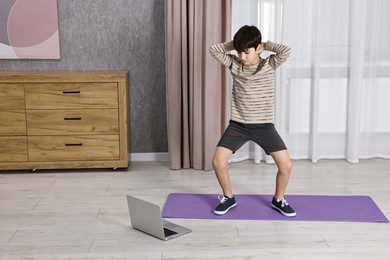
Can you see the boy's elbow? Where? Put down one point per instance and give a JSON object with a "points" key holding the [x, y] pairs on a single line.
{"points": [[288, 51], [212, 51]]}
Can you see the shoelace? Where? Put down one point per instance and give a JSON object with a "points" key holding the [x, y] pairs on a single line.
{"points": [[284, 202], [222, 199]]}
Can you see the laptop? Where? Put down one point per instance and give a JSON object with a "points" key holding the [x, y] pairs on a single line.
{"points": [[146, 217]]}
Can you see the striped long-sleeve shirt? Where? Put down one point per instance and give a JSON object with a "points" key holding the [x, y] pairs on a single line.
{"points": [[253, 86]]}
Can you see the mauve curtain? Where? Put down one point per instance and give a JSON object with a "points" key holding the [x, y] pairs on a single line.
{"points": [[197, 92]]}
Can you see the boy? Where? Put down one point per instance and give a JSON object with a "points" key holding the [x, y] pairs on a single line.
{"points": [[252, 112]]}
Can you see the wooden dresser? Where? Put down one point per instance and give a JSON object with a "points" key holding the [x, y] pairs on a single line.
{"points": [[58, 120]]}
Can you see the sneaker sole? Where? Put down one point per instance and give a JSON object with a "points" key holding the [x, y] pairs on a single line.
{"points": [[284, 213], [226, 211]]}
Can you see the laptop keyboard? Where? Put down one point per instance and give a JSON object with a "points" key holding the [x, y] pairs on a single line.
{"points": [[169, 232]]}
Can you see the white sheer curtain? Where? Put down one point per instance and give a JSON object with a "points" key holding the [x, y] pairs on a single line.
{"points": [[333, 94]]}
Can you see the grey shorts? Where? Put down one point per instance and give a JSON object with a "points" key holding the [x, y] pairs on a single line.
{"points": [[265, 135]]}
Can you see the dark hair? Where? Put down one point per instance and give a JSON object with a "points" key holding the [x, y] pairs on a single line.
{"points": [[246, 37]]}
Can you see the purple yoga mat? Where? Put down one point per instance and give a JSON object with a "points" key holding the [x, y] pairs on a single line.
{"points": [[257, 207]]}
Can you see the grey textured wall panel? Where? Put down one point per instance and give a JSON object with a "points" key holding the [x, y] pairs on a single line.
{"points": [[117, 35]]}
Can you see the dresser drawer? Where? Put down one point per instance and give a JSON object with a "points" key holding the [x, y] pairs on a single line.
{"points": [[73, 148], [63, 120], [11, 96], [70, 122], [13, 149], [12, 122], [71, 95]]}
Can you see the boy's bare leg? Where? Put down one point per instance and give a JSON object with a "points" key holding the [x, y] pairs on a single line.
{"points": [[220, 164], [283, 162]]}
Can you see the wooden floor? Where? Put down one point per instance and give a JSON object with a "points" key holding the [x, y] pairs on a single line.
{"points": [[83, 214]]}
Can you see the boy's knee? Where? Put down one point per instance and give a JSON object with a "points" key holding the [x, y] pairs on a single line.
{"points": [[218, 163], [286, 168]]}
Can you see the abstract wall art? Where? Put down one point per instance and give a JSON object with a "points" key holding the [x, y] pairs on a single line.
{"points": [[29, 29]]}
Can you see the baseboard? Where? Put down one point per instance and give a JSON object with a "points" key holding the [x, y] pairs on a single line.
{"points": [[145, 157]]}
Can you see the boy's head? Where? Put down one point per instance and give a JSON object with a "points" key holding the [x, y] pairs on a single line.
{"points": [[246, 37]]}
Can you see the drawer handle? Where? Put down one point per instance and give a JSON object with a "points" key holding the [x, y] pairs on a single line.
{"points": [[72, 118], [80, 144], [71, 92]]}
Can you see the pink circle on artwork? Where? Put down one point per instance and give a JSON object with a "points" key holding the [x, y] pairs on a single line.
{"points": [[32, 22]]}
